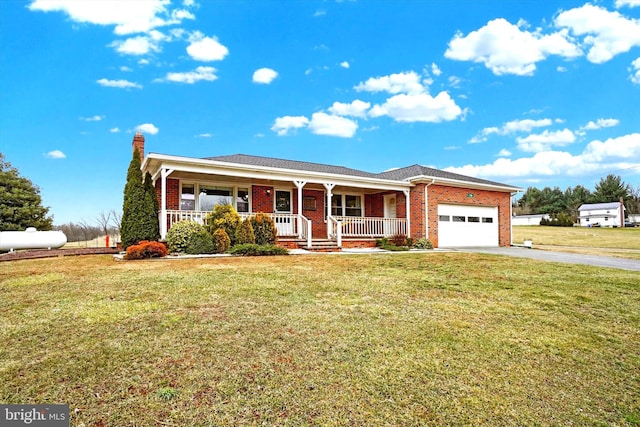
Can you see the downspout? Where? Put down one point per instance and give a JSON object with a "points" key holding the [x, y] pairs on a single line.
{"points": [[510, 219]]}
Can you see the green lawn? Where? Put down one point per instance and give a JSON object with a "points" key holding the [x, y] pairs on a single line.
{"points": [[618, 242], [379, 339]]}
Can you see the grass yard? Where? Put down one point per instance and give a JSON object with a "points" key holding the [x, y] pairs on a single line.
{"points": [[377, 339], [619, 242]]}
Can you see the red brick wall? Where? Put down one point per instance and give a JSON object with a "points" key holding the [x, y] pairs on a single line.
{"points": [[374, 205], [442, 194], [318, 226], [418, 214], [401, 205], [260, 200], [138, 142], [173, 193]]}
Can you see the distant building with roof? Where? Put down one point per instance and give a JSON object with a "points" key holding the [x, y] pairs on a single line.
{"points": [[602, 214], [529, 219]]}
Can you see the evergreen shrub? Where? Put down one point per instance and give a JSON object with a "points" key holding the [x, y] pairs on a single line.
{"points": [[423, 243], [225, 217], [221, 241], [145, 250], [264, 229], [244, 233], [252, 249], [181, 234]]}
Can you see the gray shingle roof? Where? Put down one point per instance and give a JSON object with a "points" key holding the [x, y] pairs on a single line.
{"points": [[401, 174], [595, 206], [290, 164], [419, 170]]}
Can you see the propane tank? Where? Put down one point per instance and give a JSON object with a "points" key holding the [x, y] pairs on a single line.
{"points": [[31, 239]]}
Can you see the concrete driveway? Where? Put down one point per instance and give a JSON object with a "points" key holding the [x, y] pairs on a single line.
{"points": [[597, 261]]}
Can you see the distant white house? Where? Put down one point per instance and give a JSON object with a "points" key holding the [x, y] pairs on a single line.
{"points": [[602, 214], [529, 219]]}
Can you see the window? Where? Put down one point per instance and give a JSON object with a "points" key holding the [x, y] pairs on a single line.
{"points": [[283, 201], [188, 197], [473, 219], [242, 200], [210, 196], [336, 205], [346, 205], [459, 219], [352, 206], [487, 220], [446, 218]]}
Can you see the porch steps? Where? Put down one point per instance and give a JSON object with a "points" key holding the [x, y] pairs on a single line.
{"points": [[320, 245]]}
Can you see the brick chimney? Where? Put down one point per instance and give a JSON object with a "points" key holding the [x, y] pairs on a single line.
{"points": [[138, 142]]}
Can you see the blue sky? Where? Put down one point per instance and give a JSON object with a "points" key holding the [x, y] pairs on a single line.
{"points": [[529, 93]]}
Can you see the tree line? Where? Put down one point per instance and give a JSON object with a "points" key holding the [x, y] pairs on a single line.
{"points": [[555, 202]]}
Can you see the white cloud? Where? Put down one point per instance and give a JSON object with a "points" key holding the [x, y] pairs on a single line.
{"points": [[357, 108], [600, 123], [505, 48], [283, 125], [319, 13], [504, 153], [607, 33], [264, 75], [114, 130], [128, 17], [206, 49], [418, 108], [344, 64], [95, 118], [635, 71], [408, 82], [143, 61], [139, 45], [629, 3], [123, 84], [55, 154], [147, 128], [126, 69], [204, 135], [514, 126], [597, 157], [544, 141], [561, 69], [435, 70], [326, 124], [190, 77]]}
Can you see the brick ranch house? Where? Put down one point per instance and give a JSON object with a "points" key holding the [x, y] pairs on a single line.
{"points": [[315, 204]]}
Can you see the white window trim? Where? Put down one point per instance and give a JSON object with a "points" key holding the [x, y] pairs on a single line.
{"points": [[233, 186], [284, 190], [343, 198]]}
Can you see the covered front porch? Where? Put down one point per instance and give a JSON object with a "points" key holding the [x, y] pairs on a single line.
{"points": [[305, 206]]}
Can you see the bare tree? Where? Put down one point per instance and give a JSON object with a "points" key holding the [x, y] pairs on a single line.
{"points": [[116, 220], [103, 220]]}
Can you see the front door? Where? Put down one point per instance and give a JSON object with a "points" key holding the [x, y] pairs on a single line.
{"points": [[284, 221], [390, 227]]}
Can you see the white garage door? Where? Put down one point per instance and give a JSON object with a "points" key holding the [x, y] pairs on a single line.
{"points": [[461, 225]]}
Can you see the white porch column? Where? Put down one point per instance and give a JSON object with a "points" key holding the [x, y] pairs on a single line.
{"points": [[299, 185], [408, 211], [329, 186], [163, 202]]}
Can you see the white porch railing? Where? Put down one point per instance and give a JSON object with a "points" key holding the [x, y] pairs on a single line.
{"points": [[354, 226], [287, 225]]}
